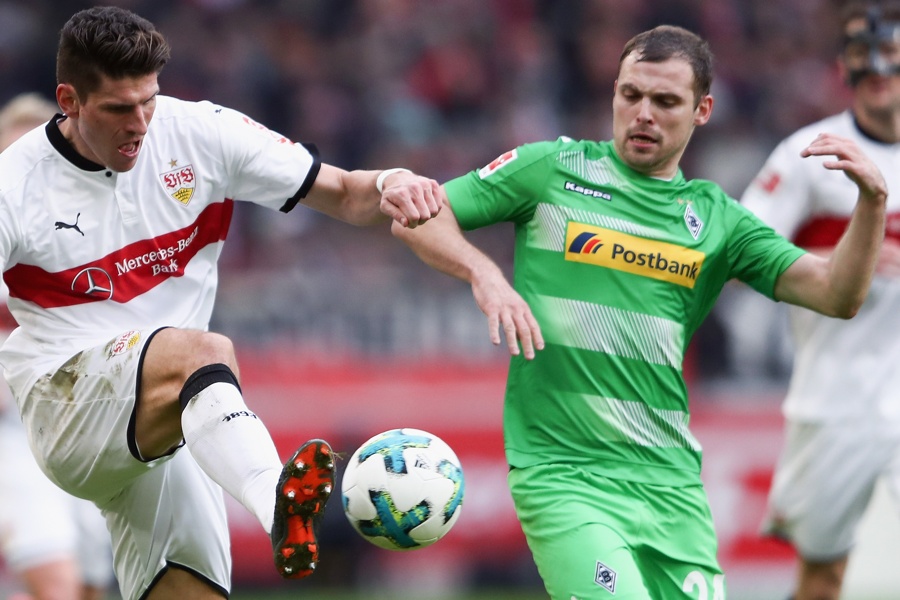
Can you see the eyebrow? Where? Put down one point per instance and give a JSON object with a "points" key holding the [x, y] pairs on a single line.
{"points": [[656, 95], [117, 105]]}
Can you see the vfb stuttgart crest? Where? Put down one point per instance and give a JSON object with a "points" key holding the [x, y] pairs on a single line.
{"points": [[179, 183]]}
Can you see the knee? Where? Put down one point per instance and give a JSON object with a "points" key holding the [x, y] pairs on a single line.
{"points": [[175, 354], [821, 581], [213, 348]]}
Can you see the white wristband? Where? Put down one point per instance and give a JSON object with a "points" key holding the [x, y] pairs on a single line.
{"points": [[379, 183]]}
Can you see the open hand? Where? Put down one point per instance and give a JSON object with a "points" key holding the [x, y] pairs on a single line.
{"points": [[850, 159]]}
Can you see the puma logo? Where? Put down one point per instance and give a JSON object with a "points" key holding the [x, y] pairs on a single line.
{"points": [[61, 225]]}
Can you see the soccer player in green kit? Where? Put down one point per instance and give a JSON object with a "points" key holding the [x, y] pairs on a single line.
{"points": [[618, 260]]}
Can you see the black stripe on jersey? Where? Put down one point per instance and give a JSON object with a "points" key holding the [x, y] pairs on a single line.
{"points": [[308, 182]]}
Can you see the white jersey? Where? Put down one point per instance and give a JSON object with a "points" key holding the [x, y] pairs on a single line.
{"points": [[88, 253], [842, 369]]}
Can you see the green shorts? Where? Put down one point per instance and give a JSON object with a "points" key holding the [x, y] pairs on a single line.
{"points": [[594, 537]]}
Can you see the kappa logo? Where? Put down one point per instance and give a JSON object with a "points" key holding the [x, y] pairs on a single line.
{"points": [[586, 191], [180, 182], [61, 225], [95, 282], [605, 577], [499, 162]]}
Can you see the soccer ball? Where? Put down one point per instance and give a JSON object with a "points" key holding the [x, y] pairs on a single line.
{"points": [[403, 489]]}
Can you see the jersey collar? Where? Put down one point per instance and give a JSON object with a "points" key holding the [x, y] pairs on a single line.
{"points": [[866, 134], [678, 179], [62, 145]]}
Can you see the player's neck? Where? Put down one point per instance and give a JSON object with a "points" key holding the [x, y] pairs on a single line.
{"points": [[68, 128], [881, 126]]}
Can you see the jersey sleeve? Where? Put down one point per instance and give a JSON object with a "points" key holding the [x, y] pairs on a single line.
{"points": [[503, 190], [758, 254], [780, 193], [264, 167]]}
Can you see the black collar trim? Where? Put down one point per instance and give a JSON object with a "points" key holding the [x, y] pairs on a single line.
{"points": [[62, 145], [866, 134]]}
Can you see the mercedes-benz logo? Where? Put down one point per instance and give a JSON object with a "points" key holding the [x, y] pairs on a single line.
{"points": [[93, 281]]}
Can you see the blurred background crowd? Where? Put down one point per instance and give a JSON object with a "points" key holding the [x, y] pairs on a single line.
{"points": [[444, 87]]}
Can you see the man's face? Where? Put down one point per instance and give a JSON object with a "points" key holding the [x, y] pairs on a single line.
{"points": [[654, 114], [874, 93], [108, 127]]}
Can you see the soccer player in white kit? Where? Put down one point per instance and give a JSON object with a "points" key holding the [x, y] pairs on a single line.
{"points": [[112, 218], [56, 544], [842, 409]]}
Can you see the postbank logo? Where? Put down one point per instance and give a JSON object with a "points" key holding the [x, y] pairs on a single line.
{"points": [[613, 249], [180, 183]]}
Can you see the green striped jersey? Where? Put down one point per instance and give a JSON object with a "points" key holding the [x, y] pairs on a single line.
{"points": [[619, 270]]}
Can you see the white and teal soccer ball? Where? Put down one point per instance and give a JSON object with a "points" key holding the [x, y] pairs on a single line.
{"points": [[403, 489]]}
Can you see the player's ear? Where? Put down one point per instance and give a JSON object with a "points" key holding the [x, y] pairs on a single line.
{"points": [[704, 110], [67, 99], [842, 69]]}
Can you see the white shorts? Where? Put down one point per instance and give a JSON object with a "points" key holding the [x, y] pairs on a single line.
{"points": [[824, 481], [40, 523], [161, 513]]}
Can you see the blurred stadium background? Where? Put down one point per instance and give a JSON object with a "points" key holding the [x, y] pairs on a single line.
{"points": [[343, 333]]}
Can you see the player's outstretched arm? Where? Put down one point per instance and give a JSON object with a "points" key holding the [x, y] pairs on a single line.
{"points": [[442, 245], [838, 284], [355, 197]]}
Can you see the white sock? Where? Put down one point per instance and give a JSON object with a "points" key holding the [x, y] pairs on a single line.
{"points": [[233, 447]]}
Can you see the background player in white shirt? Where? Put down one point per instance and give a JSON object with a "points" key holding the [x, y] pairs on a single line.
{"points": [[58, 545], [112, 219], [843, 405]]}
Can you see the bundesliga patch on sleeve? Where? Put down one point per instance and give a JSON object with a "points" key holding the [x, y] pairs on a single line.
{"points": [[275, 135], [498, 163], [769, 181]]}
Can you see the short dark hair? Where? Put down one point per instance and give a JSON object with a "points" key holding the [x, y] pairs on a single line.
{"points": [[668, 41], [110, 41]]}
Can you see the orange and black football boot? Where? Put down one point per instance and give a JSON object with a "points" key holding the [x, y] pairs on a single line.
{"points": [[303, 489]]}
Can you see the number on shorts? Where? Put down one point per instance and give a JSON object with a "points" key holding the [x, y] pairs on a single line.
{"points": [[695, 580]]}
